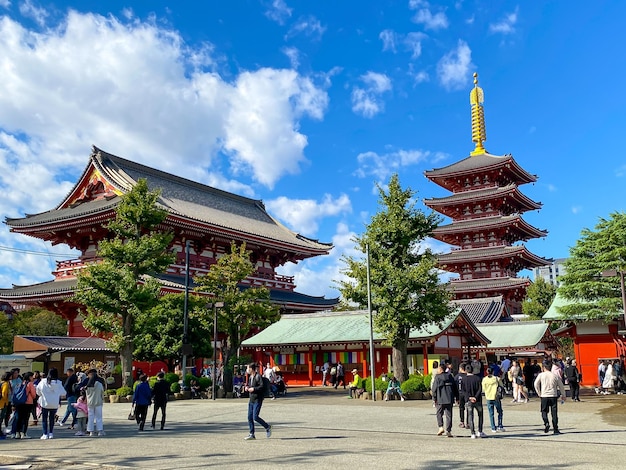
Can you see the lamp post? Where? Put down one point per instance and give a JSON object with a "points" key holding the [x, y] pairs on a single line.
{"points": [[215, 306], [185, 348], [369, 311], [620, 273]]}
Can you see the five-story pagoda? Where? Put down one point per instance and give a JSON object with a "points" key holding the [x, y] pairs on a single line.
{"points": [[486, 209]]}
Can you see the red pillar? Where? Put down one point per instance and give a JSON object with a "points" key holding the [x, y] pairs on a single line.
{"points": [[310, 358], [425, 350]]}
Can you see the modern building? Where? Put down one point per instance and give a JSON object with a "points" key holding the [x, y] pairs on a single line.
{"points": [[487, 230], [209, 218], [551, 272]]}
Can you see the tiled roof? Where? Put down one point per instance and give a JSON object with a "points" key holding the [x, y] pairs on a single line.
{"points": [[482, 310], [489, 284], [67, 343], [53, 287], [491, 253], [485, 195], [487, 223], [559, 301], [333, 327], [185, 199], [515, 335], [482, 162]]}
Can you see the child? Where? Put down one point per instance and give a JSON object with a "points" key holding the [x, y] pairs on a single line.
{"points": [[81, 413]]}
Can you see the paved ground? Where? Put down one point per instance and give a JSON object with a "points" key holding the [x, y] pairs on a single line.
{"points": [[321, 428]]}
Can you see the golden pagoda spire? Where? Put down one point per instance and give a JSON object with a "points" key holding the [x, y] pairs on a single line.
{"points": [[479, 135]]}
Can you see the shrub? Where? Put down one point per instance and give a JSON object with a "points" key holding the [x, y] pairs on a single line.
{"points": [[415, 383], [171, 378], [189, 378], [427, 380], [124, 391], [205, 383], [152, 381], [380, 384], [110, 391], [175, 387]]}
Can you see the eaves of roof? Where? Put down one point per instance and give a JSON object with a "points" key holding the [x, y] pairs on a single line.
{"points": [[483, 162], [507, 335]]}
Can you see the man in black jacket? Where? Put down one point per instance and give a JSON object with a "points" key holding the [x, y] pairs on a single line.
{"points": [[472, 389], [256, 390], [445, 393], [159, 394], [72, 396]]}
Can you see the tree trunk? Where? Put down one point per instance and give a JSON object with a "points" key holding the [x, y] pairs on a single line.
{"points": [[398, 357], [126, 353]]}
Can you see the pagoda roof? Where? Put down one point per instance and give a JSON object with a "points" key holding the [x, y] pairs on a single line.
{"points": [[187, 202], [481, 163], [483, 309], [485, 194], [492, 253], [495, 284], [349, 327], [63, 289], [489, 223]]}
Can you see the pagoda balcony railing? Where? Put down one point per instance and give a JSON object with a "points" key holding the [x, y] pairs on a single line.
{"points": [[68, 268]]}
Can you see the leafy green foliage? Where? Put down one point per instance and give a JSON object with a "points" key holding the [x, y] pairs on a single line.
{"points": [[159, 331], [599, 250], [405, 289], [427, 381], [378, 382], [175, 387], [171, 378], [244, 309], [415, 383], [124, 391], [35, 321], [118, 289], [539, 297]]}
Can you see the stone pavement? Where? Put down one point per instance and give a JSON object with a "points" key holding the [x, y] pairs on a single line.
{"points": [[321, 428]]}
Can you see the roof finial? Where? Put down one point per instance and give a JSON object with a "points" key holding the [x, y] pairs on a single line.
{"points": [[479, 135]]}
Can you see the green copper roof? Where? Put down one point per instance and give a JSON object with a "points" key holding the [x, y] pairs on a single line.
{"points": [[553, 313], [524, 334], [332, 327]]}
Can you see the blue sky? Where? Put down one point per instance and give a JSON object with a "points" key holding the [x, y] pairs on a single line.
{"points": [[307, 105]]}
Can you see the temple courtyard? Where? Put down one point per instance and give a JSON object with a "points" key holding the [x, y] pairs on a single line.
{"points": [[321, 428]]}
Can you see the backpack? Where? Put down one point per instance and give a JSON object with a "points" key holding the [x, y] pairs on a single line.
{"points": [[20, 395], [266, 386]]}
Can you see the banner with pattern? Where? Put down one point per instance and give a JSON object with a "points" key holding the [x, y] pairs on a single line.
{"points": [[352, 357]]}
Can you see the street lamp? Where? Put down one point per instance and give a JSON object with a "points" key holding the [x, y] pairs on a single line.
{"points": [[621, 273], [215, 306]]}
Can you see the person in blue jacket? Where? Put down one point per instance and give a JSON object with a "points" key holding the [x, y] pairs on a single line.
{"points": [[142, 399]]}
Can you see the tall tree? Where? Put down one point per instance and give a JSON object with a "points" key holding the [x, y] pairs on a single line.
{"points": [[539, 297], [405, 288], [244, 310], [593, 295], [119, 288], [159, 331], [34, 321]]}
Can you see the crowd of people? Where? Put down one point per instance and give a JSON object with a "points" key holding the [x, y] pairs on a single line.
{"points": [[611, 377]]}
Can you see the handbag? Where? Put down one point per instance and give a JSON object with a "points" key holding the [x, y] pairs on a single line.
{"points": [[131, 415], [499, 393]]}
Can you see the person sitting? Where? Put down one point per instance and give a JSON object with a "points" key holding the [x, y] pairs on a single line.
{"points": [[355, 385], [238, 385], [281, 386], [393, 390], [194, 386]]}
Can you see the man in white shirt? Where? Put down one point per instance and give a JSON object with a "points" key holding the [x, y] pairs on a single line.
{"points": [[548, 387], [270, 375]]}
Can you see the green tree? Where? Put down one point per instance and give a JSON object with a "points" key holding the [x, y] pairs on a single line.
{"points": [[405, 288], [159, 331], [591, 294], [244, 310], [119, 288], [34, 321], [539, 297]]}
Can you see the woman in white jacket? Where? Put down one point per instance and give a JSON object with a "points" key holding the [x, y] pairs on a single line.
{"points": [[95, 400], [50, 391]]}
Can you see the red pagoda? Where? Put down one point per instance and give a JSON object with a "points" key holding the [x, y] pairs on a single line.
{"points": [[486, 209], [209, 218]]}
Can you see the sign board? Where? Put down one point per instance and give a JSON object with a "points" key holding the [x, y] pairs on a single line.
{"points": [[11, 361]]}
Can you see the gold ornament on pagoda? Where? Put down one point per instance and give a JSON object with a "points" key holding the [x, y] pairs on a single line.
{"points": [[479, 135]]}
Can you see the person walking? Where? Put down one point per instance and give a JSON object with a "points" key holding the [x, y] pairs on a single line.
{"points": [[445, 393], [95, 400], [462, 398], [5, 402], [473, 391], [50, 390], [256, 390], [325, 371], [142, 399], [341, 376], [71, 397], [548, 387], [24, 409], [159, 393], [490, 385], [572, 378]]}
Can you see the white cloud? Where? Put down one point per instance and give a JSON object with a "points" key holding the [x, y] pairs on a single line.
{"points": [[303, 215], [293, 55], [506, 25], [367, 101], [5, 3], [37, 14], [382, 166], [414, 42], [453, 68], [551, 188], [426, 17], [309, 26], [388, 37], [576, 209], [278, 12], [421, 76]]}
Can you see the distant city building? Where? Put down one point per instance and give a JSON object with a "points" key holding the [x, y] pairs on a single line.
{"points": [[551, 272]]}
